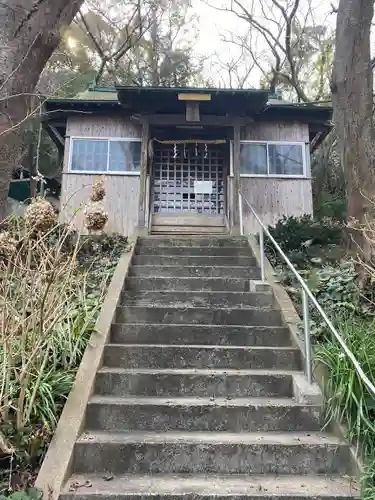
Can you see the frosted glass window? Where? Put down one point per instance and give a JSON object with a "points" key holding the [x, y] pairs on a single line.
{"points": [[285, 159], [272, 158], [105, 155], [89, 155], [124, 156], [253, 158]]}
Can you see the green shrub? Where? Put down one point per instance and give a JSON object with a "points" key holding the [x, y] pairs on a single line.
{"points": [[305, 240], [294, 233], [332, 205]]}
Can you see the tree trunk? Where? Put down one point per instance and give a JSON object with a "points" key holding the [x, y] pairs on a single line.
{"points": [[352, 88], [30, 30]]}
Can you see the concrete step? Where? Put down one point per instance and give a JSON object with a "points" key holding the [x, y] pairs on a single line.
{"points": [[105, 413], [201, 357], [195, 271], [267, 336], [209, 487], [193, 260], [210, 453], [198, 299], [226, 251], [200, 241], [199, 316], [193, 382], [188, 284]]}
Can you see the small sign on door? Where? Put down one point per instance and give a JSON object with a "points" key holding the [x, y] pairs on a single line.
{"points": [[203, 187]]}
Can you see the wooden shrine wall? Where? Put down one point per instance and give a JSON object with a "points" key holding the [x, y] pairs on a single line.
{"points": [[274, 197], [122, 191]]}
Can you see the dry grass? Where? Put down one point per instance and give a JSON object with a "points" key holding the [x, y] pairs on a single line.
{"points": [[51, 290]]}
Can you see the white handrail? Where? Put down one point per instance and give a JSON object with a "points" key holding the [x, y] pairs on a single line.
{"points": [[307, 293]]}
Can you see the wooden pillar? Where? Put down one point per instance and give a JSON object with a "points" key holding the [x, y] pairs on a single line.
{"points": [[236, 177], [143, 178]]}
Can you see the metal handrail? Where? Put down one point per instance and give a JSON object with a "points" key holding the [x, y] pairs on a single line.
{"points": [[306, 294]]}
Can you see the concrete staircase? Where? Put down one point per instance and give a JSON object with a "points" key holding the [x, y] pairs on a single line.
{"points": [[196, 396]]}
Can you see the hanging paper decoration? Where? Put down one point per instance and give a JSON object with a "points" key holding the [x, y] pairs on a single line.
{"points": [[205, 150], [191, 141], [196, 149], [175, 150]]}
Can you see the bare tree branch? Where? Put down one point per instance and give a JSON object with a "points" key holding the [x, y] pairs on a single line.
{"points": [[139, 27], [284, 29], [138, 23], [91, 35]]}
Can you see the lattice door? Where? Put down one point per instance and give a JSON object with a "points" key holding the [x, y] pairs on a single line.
{"points": [[175, 172]]}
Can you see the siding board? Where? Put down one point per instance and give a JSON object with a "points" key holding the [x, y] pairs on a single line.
{"points": [[102, 126], [121, 201], [273, 198], [272, 131]]}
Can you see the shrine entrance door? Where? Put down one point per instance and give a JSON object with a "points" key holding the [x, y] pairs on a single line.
{"points": [[188, 187]]}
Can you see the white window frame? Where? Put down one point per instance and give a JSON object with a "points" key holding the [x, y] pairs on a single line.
{"points": [[268, 175], [101, 172]]}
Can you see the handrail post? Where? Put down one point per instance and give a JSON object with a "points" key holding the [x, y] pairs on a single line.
{"points": [[261, 245], [240, 208], [306, 330]]}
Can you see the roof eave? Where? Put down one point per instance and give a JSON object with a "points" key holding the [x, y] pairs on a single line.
{"points": [[195, 90]]}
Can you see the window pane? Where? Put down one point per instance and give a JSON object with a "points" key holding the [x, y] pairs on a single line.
{"points": [[253, 159], [89, 155], [124, 156], [286, 159]]}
